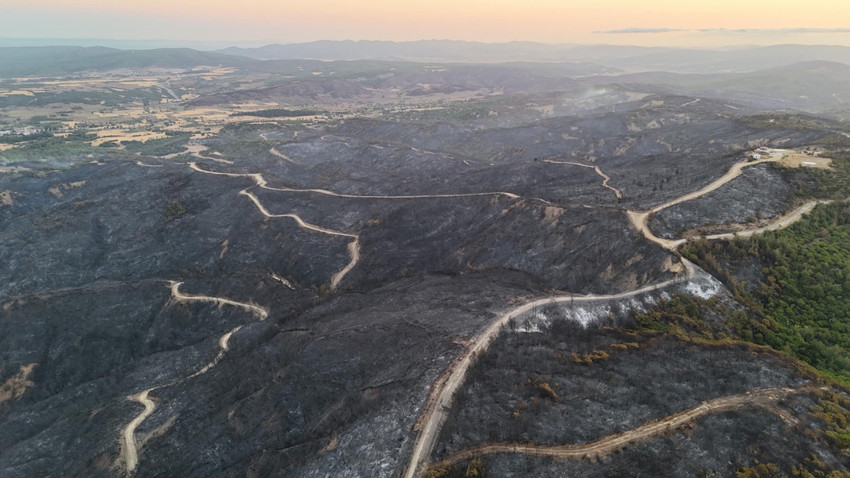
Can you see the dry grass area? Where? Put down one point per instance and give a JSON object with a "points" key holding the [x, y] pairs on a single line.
{"points": [[123, 134], [214, 73], [88, 83], [129, 112], [112, 124], [17, 92], [795, 159], [18, 384]]}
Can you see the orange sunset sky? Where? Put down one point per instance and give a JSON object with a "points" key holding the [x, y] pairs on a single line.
{"points": [[706, 23]]}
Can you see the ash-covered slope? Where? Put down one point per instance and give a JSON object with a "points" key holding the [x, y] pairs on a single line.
{"points": [[288, 312], [89, 307]]}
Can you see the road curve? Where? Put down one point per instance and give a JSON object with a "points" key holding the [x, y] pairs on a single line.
{"points": [[733, 173], [781, 223], [354, 254], [440, 401], [766, 398], [129, 445], [640, 219], [258, 311], [262, 183], [224, 346], [353, 246], [301, 223], [129, 449], [605, 177]]}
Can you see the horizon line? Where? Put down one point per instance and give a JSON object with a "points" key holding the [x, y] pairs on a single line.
{"points": [[255, 44]]}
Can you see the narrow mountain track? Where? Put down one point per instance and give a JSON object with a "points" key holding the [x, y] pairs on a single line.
{"points": [[262, 183], [282, 156], [764, 398], [780, 223], [640, 219], [129, 444], [605, 177], [353, 246], [442, 395], [254, 309], [733, 173]]}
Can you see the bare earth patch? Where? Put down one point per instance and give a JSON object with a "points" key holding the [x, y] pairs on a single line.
{"points": [[17, 385], [795, 159], [552, 214], [58, 190], [120, 135], [16, 93]]}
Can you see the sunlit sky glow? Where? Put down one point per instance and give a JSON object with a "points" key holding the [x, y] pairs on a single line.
{"points": [[693, 23]]}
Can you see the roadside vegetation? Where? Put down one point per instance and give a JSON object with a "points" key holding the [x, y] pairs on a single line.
{"points": [[814, 183], [20, 138], [73, 146], [473, 469], [791, 294], [714, 322], [793, 285]]}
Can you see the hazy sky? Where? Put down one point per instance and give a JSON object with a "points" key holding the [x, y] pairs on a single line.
{"points": [[644, 22]]}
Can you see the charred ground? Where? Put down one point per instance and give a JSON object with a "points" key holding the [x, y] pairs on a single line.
{"points": [[92, 238]]}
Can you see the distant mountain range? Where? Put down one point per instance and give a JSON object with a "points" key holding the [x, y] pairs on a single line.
{"points": [[58, 60], [805, 85], [621, 57], [558, 60]]}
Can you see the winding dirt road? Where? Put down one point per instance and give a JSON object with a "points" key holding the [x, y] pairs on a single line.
{"points": [[781, 223], [353, 246], [605, 177], [258, 311], [129, 445], [765, 398], [224, 346], [262, 183], [640, 219], [282, 156], [442, 395], [733, 173], [443, 391], [129, 448]]}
